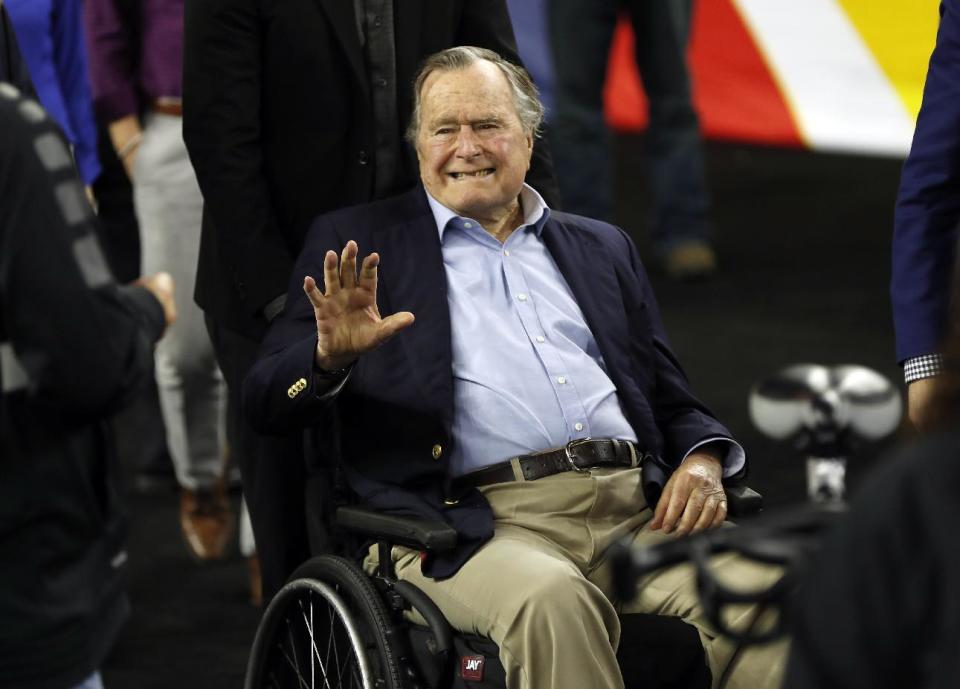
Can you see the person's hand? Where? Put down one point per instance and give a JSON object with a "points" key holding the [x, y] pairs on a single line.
{"points": [[161, 286], [348, 320], [919, 400], [693, 499], [126, 134]]}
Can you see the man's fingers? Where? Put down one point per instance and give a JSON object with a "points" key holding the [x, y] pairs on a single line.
{"points": [[721, 514], [312, 291], [393, 324], [348, 265], [696, 502], [661, 509], [331, 274], [675, 507], [368, 273], [707, 515]]}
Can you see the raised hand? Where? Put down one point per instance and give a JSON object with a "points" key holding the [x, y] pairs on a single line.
{"points": [[348, 320]]}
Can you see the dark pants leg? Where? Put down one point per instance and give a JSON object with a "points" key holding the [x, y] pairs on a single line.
{"points": [[272, 469], [675, 168], [580, 34]]}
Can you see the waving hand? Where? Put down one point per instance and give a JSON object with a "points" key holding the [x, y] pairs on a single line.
{"points": [[348, 320]]}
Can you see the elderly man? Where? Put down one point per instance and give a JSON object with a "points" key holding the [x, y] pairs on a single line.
{"points": [[534, 332]]}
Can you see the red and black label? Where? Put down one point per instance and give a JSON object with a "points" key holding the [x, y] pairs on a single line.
{"points": [[471, 668]]}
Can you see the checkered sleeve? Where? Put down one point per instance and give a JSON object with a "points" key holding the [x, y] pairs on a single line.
{"points": [[919, 367]]}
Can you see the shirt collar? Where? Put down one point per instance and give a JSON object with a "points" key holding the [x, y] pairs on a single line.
{"points": [[535, 211]]}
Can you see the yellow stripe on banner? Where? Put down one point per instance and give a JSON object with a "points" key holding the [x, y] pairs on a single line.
{"points": [[900, 34]]}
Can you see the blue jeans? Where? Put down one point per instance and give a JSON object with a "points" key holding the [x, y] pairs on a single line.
{"points": [[91, 682], [580, 33]]}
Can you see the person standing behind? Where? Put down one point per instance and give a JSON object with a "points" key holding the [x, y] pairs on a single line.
{"points": [[291, 109], [925, 225], [581, 32], [74, 346], [140, 96], [50, 33]]}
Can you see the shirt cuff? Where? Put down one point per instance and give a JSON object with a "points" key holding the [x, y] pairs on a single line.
{"points": [[920, 367], [735, 459]]}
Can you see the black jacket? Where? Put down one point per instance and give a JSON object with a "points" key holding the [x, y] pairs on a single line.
{"points": [[74, 346], [278, 122]]}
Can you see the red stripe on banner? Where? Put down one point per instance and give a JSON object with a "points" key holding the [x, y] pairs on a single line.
{"points": [[735, 93]]}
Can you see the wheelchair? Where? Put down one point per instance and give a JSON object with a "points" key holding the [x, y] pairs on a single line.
{"points": [[333, 625]]}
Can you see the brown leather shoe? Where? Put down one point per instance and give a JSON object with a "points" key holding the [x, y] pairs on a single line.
{"points": [[694, 260], [206, 521]]}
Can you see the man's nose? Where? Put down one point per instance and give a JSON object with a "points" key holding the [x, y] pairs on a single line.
{"points": [[468, 143]]}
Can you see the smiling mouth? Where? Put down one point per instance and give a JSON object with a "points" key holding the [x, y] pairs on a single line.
{"points": [[485, 172]]}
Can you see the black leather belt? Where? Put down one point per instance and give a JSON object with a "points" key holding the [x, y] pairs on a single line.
{"points": [[577, 455]]}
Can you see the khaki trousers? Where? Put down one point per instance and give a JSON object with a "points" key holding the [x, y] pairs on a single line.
{"points": [[540, 588]]}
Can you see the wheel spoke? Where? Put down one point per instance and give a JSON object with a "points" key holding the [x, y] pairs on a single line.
{"points": [[314, 652]]}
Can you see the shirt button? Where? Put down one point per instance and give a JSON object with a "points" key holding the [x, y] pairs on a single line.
{"points": [[522, 297], [539, 338], [562, 380], [437, 451], [381, 82], [578, 426], [377, 22], [506, 253], [362, 158], [468, 225]]}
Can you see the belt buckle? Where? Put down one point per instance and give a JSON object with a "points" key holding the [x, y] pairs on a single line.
{"points": [[568, 452]]}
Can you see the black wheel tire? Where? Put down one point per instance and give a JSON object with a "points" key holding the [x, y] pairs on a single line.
{"points": [[352, 619]]}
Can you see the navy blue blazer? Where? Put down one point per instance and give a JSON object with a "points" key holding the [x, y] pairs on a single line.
{"points": [[398, 401], [928, 203]]}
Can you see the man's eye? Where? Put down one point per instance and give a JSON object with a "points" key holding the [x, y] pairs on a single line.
{"points": [[444, 130], [487, 125]]}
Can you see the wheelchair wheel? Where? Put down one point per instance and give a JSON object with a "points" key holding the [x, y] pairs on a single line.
{"points": [[327, 627]]}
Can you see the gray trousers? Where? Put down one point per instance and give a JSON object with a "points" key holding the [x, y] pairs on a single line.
{"points": [[169, 209], [541, 588]]}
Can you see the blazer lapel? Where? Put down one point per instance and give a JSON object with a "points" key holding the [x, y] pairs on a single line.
{"points": [[413, 279], [588, 269], [342, 17]]}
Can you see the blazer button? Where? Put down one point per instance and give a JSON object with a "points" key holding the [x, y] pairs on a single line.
{"points": [[362, 158], [437, 451]]}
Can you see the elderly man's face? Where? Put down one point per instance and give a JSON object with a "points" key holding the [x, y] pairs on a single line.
{"points": [[473, 151]]}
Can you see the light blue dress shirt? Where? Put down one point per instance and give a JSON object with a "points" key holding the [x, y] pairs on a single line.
{"points": [[527, 372]]}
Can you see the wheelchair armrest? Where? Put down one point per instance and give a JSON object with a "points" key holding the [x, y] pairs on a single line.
{"points": [[743, 501], [420, 534]]}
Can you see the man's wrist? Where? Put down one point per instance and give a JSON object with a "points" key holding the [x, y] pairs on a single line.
{"points": [[923, 366]]}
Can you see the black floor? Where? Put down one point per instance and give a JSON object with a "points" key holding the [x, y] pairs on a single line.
{"points": [[804, 248]]}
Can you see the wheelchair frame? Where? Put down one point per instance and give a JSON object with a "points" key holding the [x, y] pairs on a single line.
{"points": [[351, 626]]}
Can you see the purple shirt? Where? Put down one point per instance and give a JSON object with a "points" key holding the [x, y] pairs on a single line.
{"points": [[123, 73]]}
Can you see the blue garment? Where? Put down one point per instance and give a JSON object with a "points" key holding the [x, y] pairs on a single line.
{"points": [[50, 34], [925, 227], [527, 372]]}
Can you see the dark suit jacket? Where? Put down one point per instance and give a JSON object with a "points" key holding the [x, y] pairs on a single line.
{"points": [[398, 402], [928, 203], [278, 122]]}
